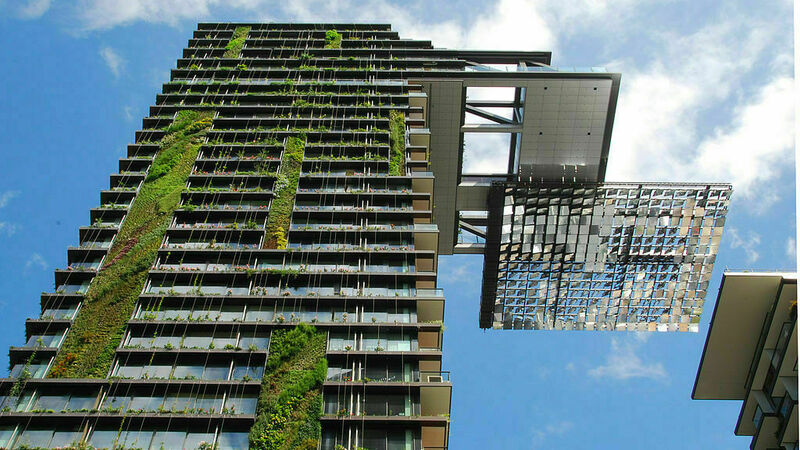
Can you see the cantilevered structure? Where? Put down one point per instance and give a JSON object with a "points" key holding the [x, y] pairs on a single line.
{"points": [[311, 174], [750, 356]]}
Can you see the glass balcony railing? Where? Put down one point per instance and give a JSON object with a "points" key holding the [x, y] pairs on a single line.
{"points": [[345, 208], [59, 313], [209, 245], [355, 190], [300, 268], [198, 290], [85, 265], [424, 227], [73, 288], [95, 244], [44, 340], [342, 247], [372, 345]]}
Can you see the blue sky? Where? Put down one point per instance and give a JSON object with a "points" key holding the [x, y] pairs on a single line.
{"points": [[706, 95]]}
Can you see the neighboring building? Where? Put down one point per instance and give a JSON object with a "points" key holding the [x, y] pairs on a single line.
{"points": [[313, 173], [751, 355]]}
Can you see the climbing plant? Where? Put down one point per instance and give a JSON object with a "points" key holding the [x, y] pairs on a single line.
{"points": [[234, 48], [290, 402], [280, 211], [397, 138], [333, 39], [89, 346]]}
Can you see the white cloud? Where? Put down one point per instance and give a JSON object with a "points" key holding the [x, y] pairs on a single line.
{"points": [[749, 243], [5, 197], [112, 60], [540, 435], [486, 152], [460, 269], [8, 228], [623, 363], [34, 9], [35, 260], [105, 14], [128, 110], [791, 248], [658, 133]]}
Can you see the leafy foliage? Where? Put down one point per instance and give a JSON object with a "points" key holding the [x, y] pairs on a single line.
{"points": [[89, 346], [234, 47], [397, 136], [280, 211], [290, 402], [333, 39]]}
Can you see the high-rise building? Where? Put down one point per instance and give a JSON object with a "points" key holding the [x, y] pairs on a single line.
{"points": [[751, 356], [311, 174]]}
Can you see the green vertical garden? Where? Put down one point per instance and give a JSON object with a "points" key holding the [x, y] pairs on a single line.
{"points": [[89, 347], [290, 402], [280, 211], [234, 47], [397, 138]]}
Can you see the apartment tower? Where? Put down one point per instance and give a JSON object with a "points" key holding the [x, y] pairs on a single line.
{"points": [[276, 181]]}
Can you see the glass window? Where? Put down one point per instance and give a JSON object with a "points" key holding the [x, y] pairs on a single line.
{"points": [[208, 403], [156, 371], [242, 371], [165, 341], [135, 439], [65, 438], [24, 401], [374, 439], [228, 313], [188, 372], [196, 340], [232, 440], [375, 406], [145, 403], [175, 314], [195, 440], [51, 402], [81, 402], [179, 402], [241, 405], [376, 372], [331, 404], [381, 317], [116, 403], [103, 438], [216, 373], [131, 371], [339, 374], [758, 416], [254, 342], [168, 439], [224, 339], [6, 432], [396, 405], [340, 342], [263, 314], [399, 440], [35, 438]]}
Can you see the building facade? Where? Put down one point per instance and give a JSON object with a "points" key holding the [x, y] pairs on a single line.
{"points": [[750, 356], [262, 269], [276, 181]]}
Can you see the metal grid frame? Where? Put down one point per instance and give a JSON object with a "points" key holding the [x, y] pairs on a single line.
{"points": [[610, 256]]}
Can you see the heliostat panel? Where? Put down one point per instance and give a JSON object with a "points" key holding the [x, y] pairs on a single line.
{"points": [[611, 256]]}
